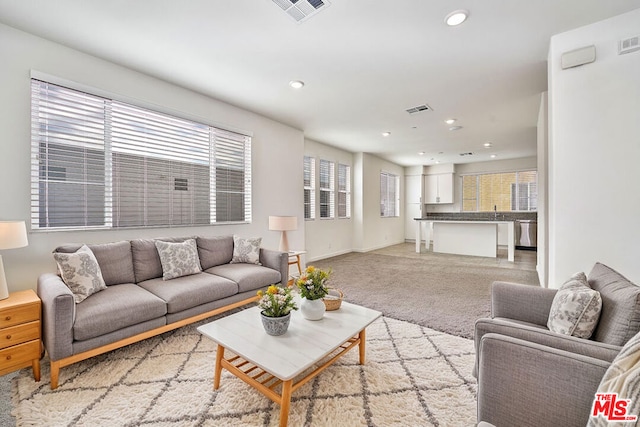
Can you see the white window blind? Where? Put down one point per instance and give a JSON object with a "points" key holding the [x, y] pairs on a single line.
{"points": [[98, 162], [389, 195], [327, 188], [503, 192], [344, 191], [309, 172]]}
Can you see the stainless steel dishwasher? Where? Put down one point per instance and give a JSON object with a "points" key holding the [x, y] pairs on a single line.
{"points": [[526, 234]]}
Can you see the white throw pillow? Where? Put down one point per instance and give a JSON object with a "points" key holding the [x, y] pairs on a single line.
{"points": [[80, 272], [178, 259], [622, 378], [246, 250], [576, 308]]}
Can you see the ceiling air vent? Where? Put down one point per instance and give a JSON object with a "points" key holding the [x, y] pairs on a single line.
{"points": [[466, 154], [301, 10], [417, 109]]}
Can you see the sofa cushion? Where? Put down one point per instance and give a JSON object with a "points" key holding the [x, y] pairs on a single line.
{"points": [[115, 260], [178, 259], [214, 251], [621, 378], [80, 272], [190, 291], [575, 309], [115, 308], [620, 318], [246, 250], [248, 276], [146, 261]]}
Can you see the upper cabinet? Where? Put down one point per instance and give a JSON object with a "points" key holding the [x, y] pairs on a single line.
{"points": [[438, 188]]}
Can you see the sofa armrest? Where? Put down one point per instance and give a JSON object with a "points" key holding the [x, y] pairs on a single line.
{"points": [[521, 383], [276, 260], [526, 303], [594, 349], [58, 311]]}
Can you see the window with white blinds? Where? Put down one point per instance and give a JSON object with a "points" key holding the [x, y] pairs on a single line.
{"points": [[344, 191], [309, 172], [503, 192], [98, 162], [389, 195], [327, 188]]}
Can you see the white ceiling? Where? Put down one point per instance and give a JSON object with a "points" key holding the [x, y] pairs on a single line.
{"points": [[364, 63]]}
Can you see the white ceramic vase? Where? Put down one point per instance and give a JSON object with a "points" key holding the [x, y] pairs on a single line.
{"points": [[312, 309]]}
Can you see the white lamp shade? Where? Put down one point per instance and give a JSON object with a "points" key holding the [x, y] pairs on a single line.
{"points": [[13, 234], [283, 223]]}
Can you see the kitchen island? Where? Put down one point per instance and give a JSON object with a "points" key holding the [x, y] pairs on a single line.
{"points": [[465, 237]]}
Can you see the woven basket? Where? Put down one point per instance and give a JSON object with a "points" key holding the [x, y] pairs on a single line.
{"points": [[333, 300]]}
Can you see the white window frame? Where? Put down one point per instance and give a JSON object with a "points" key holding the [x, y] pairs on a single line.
{"points": [[389, 195], [327, 189], [309, 170], [517, 199], [111, 128], [344, 191]]}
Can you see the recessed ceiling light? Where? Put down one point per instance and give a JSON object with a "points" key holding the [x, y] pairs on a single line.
{"points": [[493, 156], [296, 84], [422, 153], [456, 17], [386, 133], [450, 121], [455, 128], [438, 161], [487, 144]]}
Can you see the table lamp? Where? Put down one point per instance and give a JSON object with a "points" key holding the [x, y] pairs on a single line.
{"points": [[13, 234], [284, 224]]}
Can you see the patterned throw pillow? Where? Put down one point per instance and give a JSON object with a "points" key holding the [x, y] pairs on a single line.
{"points": [[178, 259], [80, 272], [246, 250], [622, 377], [575, 309]]}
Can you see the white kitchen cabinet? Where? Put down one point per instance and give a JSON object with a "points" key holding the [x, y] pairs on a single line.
{"points": [[438, 188]]}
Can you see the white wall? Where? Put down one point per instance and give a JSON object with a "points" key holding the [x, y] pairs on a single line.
{"points": [[371, 231], [594, 153], [543, 186], [277, 149], [328, 237]]}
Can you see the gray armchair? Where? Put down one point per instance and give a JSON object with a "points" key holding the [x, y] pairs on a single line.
{"points": [[530, 376]]}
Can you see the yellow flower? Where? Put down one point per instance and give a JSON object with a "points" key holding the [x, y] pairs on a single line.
{"points": [[311, 269], [272, 289], [260, 293]]}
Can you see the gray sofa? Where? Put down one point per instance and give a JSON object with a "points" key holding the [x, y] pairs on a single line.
{"points": [[530, 376], [137, 303]]}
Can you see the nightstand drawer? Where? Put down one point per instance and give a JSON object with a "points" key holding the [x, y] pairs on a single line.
{"points": [[19, 334], [19, 355], [19, 314]]}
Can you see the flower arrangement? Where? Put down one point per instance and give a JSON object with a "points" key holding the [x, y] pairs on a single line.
{"points": [[276, 301], [312, 283]]}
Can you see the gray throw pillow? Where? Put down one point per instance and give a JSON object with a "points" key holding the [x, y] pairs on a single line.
{"points": [[575, 309], [246, 250], [178, 259], [80, 272]]}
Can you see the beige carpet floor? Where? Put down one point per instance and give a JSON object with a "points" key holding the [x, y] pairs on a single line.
{"points": [[414, 376], [443, 292]]}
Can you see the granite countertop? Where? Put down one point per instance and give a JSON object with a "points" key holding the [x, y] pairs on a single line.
{"points": [[479, 216]]}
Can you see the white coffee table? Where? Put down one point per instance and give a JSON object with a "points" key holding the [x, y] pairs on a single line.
{"points": [[308, 347]]}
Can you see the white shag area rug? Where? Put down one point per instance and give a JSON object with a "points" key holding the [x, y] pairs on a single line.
{"points": [[413, 376]]}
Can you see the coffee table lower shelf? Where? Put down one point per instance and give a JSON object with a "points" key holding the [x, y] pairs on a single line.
{"points": [[267, 383]]}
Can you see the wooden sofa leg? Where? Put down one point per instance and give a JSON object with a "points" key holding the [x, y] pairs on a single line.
{"points": [[55, 372]]}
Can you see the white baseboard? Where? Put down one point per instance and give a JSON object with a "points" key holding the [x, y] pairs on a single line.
{"points": [[346, 251]]}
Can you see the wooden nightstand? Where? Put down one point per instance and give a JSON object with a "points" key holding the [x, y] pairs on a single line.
{"points": [[20, 344]]}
